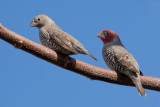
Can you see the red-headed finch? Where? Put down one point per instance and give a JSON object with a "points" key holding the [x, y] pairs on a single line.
{"points": [[119, 59]]}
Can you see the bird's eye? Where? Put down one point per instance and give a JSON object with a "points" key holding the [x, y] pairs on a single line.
{"points": [[38, 19], [107, 33]]}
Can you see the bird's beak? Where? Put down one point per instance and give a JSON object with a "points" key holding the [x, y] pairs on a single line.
{"points": [[33, 24], [100, 35]]}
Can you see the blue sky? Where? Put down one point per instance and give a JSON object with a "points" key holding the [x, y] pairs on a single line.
{"points": [[27, 81]]}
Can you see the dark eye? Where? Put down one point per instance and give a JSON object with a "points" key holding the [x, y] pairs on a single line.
{"points": [[38, 19], [107, 33]]}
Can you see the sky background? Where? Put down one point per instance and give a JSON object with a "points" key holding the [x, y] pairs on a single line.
{"points": [[27, 81]]}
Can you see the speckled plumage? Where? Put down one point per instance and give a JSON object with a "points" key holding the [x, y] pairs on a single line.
{"points": [[55, 38], [118, 58]]}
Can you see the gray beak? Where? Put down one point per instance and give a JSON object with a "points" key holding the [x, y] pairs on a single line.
{"points": [[100, 35], [33, 24]]}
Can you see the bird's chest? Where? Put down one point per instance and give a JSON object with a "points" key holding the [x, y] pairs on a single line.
{"points": [[44, 38], [47, 41], [109, 58]]}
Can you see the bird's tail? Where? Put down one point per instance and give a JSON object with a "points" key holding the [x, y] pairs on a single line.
{"points": [[135, 77], [91, 56], [139, 87]]}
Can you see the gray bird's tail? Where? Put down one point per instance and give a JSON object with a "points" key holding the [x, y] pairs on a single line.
{"points": [[137, 82], [140, 89], [135, 77], [91, 56]]}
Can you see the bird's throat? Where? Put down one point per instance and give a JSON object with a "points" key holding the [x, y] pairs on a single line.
{"points": [[108, 39]]}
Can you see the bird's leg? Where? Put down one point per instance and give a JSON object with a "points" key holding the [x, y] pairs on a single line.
{"points": [[66, 61], [63, 58]]}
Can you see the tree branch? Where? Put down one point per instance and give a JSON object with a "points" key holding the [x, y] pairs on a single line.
{"points": [[93, 72]]}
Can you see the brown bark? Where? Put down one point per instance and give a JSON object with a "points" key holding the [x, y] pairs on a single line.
{"points": [[93, 72]]}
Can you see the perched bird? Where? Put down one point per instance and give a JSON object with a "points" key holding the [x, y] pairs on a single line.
{"points": [[119, 59], [55, 38]]}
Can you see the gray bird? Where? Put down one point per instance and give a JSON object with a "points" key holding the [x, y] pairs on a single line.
{"points": [[55, 38], [119, 59]]}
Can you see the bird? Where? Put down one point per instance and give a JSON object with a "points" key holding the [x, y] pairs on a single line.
{"points": [[117, 58], [56, 39]]}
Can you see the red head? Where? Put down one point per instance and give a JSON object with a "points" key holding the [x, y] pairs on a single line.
{"points": [[108, 36]]}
